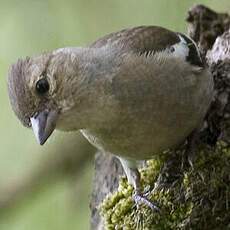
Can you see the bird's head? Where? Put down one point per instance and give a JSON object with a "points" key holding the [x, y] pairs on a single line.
{"points": [[41, 91]]}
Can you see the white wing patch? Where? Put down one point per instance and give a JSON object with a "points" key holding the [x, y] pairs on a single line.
{"points": [[186, 50], [181, 49]]}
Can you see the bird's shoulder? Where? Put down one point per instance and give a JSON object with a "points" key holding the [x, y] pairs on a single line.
{"points": [[148, 40]]}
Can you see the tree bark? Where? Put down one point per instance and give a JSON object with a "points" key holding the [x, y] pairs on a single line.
{"points": [[210, 30]]}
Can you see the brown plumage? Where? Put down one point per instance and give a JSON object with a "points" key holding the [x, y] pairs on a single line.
{"points": [[139, 39], [133, 93]]}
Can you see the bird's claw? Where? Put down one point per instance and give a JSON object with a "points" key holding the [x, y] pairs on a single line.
{"points": [[142, 199]]}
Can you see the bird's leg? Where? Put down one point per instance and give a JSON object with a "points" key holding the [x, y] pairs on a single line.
{"points": [[190, 151], [133, 176]]}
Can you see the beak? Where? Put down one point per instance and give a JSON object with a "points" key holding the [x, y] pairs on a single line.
{"points": [[43, 125]]}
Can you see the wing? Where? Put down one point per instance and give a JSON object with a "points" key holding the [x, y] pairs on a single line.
{"points": [[146, 40]]}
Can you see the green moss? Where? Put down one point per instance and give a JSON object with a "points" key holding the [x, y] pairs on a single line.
{"points": [[199, 199]]}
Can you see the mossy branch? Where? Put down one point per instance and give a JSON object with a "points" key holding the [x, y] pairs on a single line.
{"points": [[197, 199]]}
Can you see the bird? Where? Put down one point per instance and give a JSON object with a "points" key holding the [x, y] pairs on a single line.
{"points": [[133, 93]]}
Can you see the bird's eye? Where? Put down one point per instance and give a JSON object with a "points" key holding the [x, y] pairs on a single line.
{"points": [[42, 86]]}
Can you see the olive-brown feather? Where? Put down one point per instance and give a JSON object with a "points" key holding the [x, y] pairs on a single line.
{"points": [[18, 91]]}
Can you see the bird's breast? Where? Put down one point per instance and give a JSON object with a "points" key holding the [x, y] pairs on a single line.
{"points": [[157, 107]]}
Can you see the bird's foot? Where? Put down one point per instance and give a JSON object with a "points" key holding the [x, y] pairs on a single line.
{"points": [[190, 153], [188, 159], [133, 176], [140, 198]]}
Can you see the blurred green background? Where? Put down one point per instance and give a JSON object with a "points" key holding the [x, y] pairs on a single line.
{"points": [[36, 192]]}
